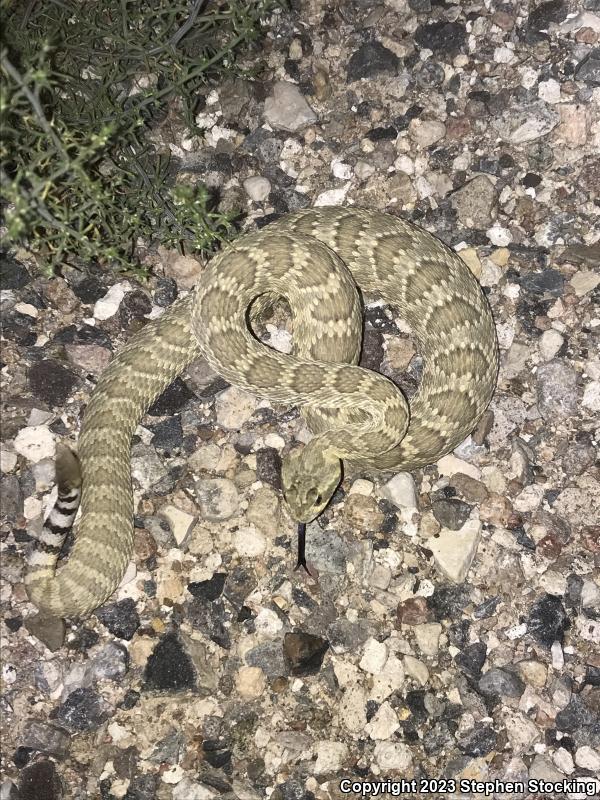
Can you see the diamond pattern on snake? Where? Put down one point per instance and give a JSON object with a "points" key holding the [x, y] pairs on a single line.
{"points": [[320, 260]]}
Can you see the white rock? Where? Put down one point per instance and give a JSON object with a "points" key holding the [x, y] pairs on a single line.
{"points": [[330, 756], [27, 309], [180, 522], [267, 623], [32, 507], [499, 236], [363, 170], [393, 756], [591, 396], [454, 551], [279, 339], [529, 77], [146, 467], [550, 343], [8, 460], [549, 91], [218, 498], [250, 682], [172, 775], [257, 188], [587, 758], [333, 197], [35, 443], [450, 465], [384, 723], [588, 629], [341, 170], [416, 669], [351, 709], [287, 109], [234, 407], [374, 656], [584, 282], [516, 631], [563, 760], [380, 577], [187, 789], [428, 637], [503, 55], [400, 490], [426, 132], [275, 441], [249, 542], [584, 19], [361, 486], [590, 594], [521, 731], [529, 499], [558, 658], [108, 305], [389, 680], [542, 769]]}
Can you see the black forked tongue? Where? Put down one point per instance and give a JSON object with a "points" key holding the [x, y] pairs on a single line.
{"points": [[301, 548]]}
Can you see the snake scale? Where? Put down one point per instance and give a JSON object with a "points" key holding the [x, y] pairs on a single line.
{"points": [[319, 260]]}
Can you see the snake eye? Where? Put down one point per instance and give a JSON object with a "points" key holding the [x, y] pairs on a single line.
{"points": [[318, 500]]}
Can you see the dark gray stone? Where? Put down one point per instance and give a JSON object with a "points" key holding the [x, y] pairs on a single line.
{"points": [[472, 659], [502, 682], [168, 434], [347, 636], [51, 382], [89, 290], [134, 307], [372, 354], [268, 467], [83, 710], [13, 275], [448, 601], [86, 334], [111, 663], [546, 14], [11, 496], [269, 657], [46, 738], [169, 666], [40, 781], [547, 620], [172, 400], [371, 59], [121, 619], [49, 630], [166, 292], [450, 513], [549, 282], [444, 38], [210, 589], [210, 619], [588, 70], [304, 653], [576, 715], [479, 742]]}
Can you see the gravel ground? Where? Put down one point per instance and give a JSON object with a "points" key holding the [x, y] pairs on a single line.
{"points": [[450, 630]]}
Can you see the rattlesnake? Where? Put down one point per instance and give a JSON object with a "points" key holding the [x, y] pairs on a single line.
{"points": [[315, 259]]}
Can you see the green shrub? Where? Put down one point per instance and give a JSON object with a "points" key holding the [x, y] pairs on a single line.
{"points": [[82, 83]]}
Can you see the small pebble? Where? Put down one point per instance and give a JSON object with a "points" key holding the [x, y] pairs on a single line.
{"points": [[257, 188]]}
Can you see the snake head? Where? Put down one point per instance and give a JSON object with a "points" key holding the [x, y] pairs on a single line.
{"points": [[309, 478]]}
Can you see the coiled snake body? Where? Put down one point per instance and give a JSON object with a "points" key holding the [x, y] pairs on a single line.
{"points": [[315, 259]]}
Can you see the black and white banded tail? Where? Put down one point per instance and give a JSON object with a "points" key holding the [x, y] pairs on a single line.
{"points": [[43, 558]]}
